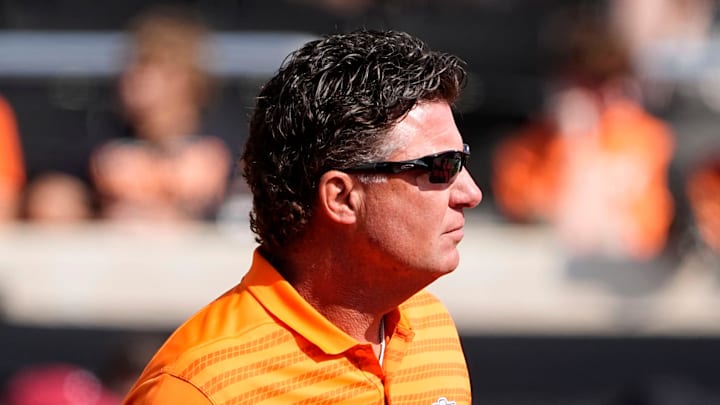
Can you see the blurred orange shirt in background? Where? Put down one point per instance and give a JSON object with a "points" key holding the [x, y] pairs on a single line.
{"points": [[601, 180], [12, 172], [703, 191]]}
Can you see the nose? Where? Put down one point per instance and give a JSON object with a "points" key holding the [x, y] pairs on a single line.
{"points": [[465, 192]]}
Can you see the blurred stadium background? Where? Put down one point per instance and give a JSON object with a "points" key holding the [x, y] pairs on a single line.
{"points": [[536, 330]]}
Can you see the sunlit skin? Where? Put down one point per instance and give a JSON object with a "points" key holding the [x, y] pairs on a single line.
{"points": [[413, 226], [386, 239]]}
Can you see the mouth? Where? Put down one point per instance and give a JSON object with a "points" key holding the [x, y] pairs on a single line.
{"points": [[456, 232]]}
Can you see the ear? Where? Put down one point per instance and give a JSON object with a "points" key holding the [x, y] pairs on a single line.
{"points": [[338, 197]]}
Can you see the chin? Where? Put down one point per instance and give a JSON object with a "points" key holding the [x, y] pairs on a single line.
{"points": [[448, 265], [447, 270], [453, 259]]}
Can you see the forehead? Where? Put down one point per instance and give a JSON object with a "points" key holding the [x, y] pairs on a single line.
{"points": [[428, 128]]}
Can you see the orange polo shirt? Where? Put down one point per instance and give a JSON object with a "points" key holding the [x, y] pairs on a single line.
{"points": [[262, 343]]}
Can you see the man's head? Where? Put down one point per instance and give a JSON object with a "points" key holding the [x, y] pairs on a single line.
{"points": [[331, 106]]}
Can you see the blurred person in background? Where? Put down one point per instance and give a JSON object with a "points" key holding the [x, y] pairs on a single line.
{"points": [[357, 171], [165, 170], [667, 41], [57, 198], [596, 164], [703, 194], [12, 170], [672, 46]]}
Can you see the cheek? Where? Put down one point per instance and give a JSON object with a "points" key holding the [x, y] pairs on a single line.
{"points": [[386, 221], [409, 223], [383, 217]]}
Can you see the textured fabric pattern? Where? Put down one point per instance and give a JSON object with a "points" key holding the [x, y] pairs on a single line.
{"points": [[261, 343]]}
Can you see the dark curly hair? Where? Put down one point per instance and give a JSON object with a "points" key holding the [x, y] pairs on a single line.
{"points": [[329, 107]]}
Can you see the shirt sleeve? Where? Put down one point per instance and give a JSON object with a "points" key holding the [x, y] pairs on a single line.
{"points": [[166, 389]]}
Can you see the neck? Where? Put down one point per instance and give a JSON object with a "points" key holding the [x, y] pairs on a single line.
{"points": [[337, 289]]}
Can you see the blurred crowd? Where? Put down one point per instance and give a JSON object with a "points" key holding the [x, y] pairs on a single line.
{"points": [[594, 163], [158, 169], [158, 166]]}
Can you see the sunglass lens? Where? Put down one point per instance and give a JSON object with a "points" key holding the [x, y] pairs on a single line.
{"points": [[445, 167]]}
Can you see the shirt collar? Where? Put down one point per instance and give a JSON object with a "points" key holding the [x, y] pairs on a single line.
{"points": [[284, 302]]}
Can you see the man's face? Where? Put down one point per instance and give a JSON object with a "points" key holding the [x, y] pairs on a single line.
{"points": [[412, 226]]}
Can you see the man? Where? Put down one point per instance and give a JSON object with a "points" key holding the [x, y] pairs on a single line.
{"points": [[357, 172]]}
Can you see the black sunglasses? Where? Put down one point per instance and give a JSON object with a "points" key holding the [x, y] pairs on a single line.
{"points": [[443, 166]]}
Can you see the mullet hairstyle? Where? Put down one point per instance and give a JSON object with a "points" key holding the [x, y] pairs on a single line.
{"points": [[330, 106]]}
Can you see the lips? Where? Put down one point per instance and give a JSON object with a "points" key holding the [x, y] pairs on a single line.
{"points": [[457, 231]]}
